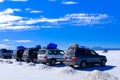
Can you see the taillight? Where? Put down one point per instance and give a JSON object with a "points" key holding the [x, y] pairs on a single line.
{"points": [[74, 58], [45, 57]]}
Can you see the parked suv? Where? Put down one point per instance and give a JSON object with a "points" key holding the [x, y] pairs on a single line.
{"points": [[6, 54], [28, 55], [50, 56], [83, 57]]}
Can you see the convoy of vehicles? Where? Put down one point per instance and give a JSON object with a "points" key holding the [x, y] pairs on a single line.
{"points": [[74, 56]]}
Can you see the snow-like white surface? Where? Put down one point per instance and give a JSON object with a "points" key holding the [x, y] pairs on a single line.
{"points": [[12, 70]]}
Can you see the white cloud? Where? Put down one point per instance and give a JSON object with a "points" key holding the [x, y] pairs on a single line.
{"points": [[52, 20], [35, 11], [6, 46], [1, 1], [74, 19], [27, 9], [23, 41], [45, 26], [64, 2], [87, 19], [69, 2], [10, 18], [6, 15], [18, 10], [9, 11], [19, 0], [3, 46], [8, 21], [6, 40], [40, 20], [15, 27]]}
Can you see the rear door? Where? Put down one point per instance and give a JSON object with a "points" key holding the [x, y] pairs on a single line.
{"points": [[69, 54], [84, 55], [25, 54], [53, 53], [41, 54], [59, 55]]}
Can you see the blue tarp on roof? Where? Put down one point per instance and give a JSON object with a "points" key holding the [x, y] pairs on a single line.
{"points": [[52, 46], [21, 47]]}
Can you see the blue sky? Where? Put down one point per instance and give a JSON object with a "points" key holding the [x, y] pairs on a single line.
{"points": [[92, 23]]}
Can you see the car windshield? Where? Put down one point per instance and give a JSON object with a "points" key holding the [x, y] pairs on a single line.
{"points": [[42, 51]]}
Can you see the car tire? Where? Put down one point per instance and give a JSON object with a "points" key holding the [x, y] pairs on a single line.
{"points": [[17, 59], [52, 62], [102, 63], [83, 64]]}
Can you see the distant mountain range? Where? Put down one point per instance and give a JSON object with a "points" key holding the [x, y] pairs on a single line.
{"points": [[101, 48]]}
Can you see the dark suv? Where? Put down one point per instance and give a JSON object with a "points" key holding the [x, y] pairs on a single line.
{"points": [[29, 55], [83, 57], [6, 54]]}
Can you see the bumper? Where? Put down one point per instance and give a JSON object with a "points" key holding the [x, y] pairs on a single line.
{"points": [[70, 63], [44, 60]]}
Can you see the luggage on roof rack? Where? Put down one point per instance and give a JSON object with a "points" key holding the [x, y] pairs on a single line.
{"points": [[74, 46], [21, 47], [52, 46], [38, 47]]}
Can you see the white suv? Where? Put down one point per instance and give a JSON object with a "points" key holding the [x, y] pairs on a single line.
{"points": [[50, 56]]}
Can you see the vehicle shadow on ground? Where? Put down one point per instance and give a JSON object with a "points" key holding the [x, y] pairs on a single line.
{"points": [[59, 65], [90, 68], [100, 68]]}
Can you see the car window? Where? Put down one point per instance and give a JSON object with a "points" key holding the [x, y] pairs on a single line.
{"points": [[33, 51], [83, 53], [79, 52], [25, 52], [93, 53], [50, 52], [42, 51], [87, 52], [55, 52], [62, 52]]}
